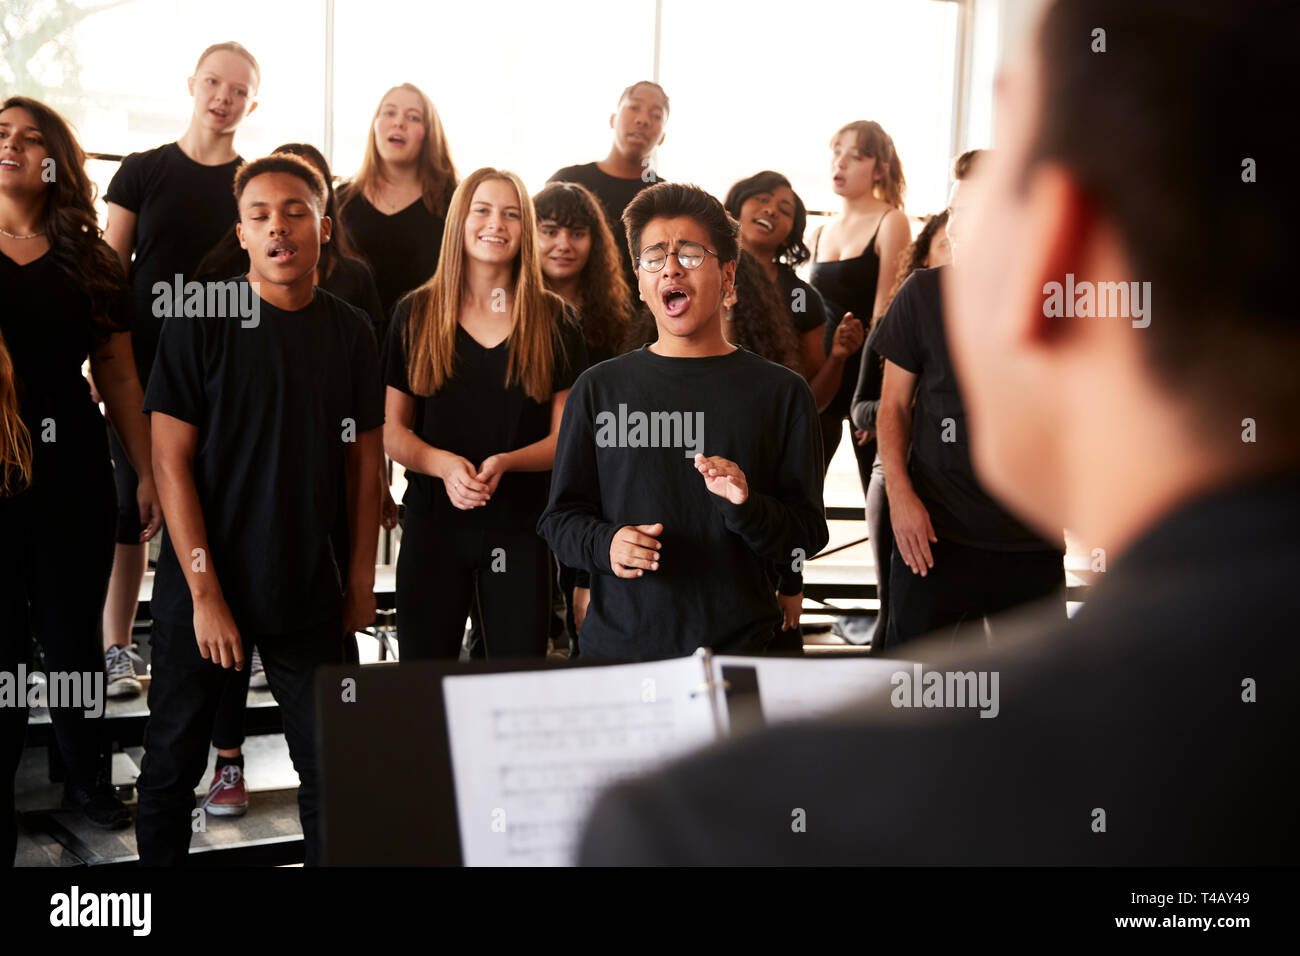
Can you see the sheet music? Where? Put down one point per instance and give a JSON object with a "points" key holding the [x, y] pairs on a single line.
{"points": [[792, 688], [530, 751]]}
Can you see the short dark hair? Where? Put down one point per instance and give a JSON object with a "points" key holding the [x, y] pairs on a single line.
{"points": [[1163, 151], [792, 252], [651, 83], [282, 163], [965, 164], [669, 200]]}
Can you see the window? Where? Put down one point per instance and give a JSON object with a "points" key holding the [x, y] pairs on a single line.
{"points": [[525, 86], [118, 74], [765, 84]]}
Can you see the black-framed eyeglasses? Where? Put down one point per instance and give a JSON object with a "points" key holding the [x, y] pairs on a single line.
{"points": [[689, 254]]}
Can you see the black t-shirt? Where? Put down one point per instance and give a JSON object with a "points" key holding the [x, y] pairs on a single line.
{"points": [[910, 334], [614, 194], [183, 208], [402, 249], [476, 415], [353, 282], [802, 302], [622, 459], [49, 330], [276, 405]]}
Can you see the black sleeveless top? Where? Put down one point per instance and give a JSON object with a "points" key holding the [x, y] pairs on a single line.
{"points": [[849, 285]]}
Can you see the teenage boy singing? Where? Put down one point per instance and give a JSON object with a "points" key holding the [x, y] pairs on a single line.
{"points": [[255, 416], [683, 466]]}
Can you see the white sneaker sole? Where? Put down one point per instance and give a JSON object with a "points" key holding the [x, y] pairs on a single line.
{"points": [[123, 687]]}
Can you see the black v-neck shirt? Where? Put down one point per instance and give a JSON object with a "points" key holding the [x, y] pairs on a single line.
{"points": [[49, 331], [276, 405], [182, 209], [402, 250], [477, 415]]}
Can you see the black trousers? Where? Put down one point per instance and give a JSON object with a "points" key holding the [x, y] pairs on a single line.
{"points": [[126, 482], [183, 698], [441, 571], [228, 728], [56, 552], [965, 585]]}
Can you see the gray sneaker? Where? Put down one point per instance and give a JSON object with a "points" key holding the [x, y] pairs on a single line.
{"points": [[256, 672], [120, 663]]}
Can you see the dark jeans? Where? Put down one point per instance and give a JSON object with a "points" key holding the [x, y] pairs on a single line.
{"points": [[183, 698], [56, 552], [441, 571], [965, 585]]}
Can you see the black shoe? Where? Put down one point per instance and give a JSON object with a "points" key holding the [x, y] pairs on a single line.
{"points": [[99, 804]]}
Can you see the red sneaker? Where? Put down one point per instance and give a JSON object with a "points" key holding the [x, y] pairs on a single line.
{"points": [[227, 795]]}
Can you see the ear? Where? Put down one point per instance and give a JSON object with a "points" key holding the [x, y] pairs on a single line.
{"points": [[239, 233], [662, 137], [326, 229], [729, 275], [1061, 215], [189, 84], [611, 120]]}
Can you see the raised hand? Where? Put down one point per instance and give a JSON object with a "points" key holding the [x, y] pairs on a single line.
{"points": [[849, 336], [724, 478]]}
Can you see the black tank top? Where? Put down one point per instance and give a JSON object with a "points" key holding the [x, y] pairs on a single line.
{"points": [[849, 285]]}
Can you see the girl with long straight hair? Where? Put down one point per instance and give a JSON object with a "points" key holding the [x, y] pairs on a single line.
{"points": [[395, 207], [479, 360], [64, 295], [166, 208]]}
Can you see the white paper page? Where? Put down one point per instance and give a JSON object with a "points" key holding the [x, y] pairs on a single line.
{"points": [[531, 751], [794, 689]]}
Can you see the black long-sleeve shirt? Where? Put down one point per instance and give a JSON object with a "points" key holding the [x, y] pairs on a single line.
{"points": [[631, 429]]}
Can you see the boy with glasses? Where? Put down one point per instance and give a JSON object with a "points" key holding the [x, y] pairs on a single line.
{"points": [[683, 466]]}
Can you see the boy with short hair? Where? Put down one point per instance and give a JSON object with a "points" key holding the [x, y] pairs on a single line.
{"points": [[638, 126], [254, 418], [683, 467]]}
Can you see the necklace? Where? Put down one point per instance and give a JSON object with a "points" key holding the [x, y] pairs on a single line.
{"points": [[35, 235]]}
